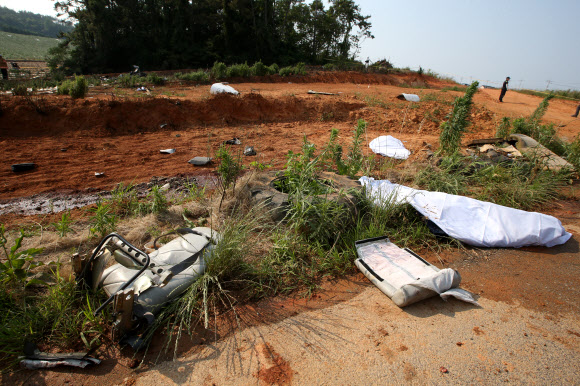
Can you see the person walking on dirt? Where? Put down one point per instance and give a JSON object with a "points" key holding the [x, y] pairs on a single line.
{"points": [[4, 67], [575, 115], [504, 88]]}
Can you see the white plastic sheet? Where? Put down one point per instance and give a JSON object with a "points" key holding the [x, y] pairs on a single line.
{"points": [[389, 146], [219, 88], [471, 221]]}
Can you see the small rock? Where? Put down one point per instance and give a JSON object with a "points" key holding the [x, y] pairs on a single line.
{"points": [[165, 187], [249, 151], [443, 370]]}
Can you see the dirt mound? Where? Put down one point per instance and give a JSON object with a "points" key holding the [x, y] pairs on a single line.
{"points": [[112, 117]]}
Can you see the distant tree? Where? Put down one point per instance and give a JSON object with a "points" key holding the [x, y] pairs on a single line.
{"points": [[164, 34], [28, 23]]}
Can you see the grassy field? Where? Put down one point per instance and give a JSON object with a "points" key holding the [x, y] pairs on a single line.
{"points": [[16, 46]]}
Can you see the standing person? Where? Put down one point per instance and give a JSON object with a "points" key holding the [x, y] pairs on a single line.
{"points": [[575, 115], [504, 88], [4, 67]]}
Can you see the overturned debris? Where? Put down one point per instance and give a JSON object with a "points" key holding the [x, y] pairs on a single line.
{"points": [[200, 161], [140, 284], [34, 359], [516, 146], [249, 151], [408, 97], [404, 276]]}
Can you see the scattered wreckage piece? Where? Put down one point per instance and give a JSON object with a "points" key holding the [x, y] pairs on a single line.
{"points": [[320, 92], [515, 146], [220, 88], [16, 168], [140, 284], [35, 359], [404, 276], [408, 97], [200, 161], [389, 146], [167, 151], [531, 148], [233, 141], [474, 222], [249, 151]]}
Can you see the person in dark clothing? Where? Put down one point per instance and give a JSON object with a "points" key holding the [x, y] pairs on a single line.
{"points": [[3, 67], [575, 115], [504, 88]]}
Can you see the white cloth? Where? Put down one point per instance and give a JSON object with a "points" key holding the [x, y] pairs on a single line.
{"points": [[219, 88], [471, 221], [389, 146]]}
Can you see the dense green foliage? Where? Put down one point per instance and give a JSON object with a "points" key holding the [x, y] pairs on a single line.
{"points": [[28, 23], [112, 36]]}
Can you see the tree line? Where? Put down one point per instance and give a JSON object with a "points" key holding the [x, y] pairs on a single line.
{"points": [[28, 23], [113, 35]]}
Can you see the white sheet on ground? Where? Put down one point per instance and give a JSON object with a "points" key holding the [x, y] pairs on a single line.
{"points": [[389, 146], [218, 88], [471, 221]]}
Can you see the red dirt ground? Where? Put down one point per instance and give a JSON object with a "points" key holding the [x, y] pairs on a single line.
{"points": [[122, 135]]}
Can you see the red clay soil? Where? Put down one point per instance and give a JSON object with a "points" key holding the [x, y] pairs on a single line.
{"points": [[121, 136], [71, 140]]}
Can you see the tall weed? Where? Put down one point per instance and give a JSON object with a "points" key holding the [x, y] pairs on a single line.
{"points": [[452, 130]]}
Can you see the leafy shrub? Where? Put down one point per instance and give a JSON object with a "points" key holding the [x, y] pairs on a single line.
{"points": [[17, 266], [64, 87], [20, 90], [544, 134], [287, 71], [79, 88], [329, 67], [259, 69], [354, 160], [219, 70], [273, 69], [573, 153], [103, 221], [453, 129], [155, 79], [300, 69], [239, 70], [198, 76], [63, 227], [504, 128], [128, 81], [229, 168]]}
